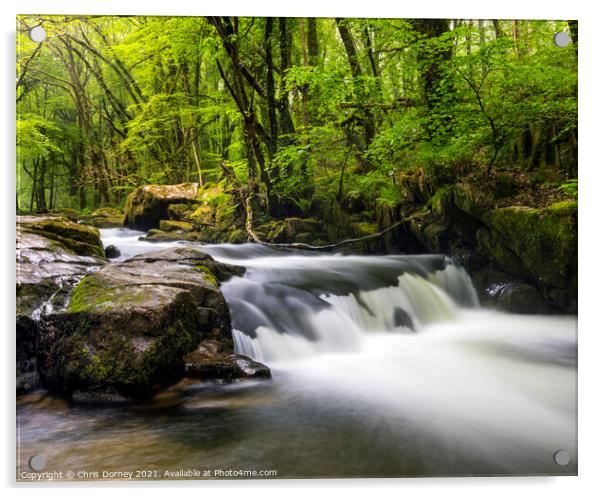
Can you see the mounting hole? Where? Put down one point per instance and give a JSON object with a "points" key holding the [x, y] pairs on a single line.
{"points": [[37, 462], [37, 34], [562, 458], [562, 39]]}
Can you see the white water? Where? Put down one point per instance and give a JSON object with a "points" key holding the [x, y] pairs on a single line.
{"points": [[402, 338]]}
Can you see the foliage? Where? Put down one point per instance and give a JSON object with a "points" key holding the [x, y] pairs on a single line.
{"points": [[311, 111]]}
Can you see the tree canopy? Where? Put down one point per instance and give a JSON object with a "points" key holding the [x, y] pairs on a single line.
{"points": [[298, 110]]}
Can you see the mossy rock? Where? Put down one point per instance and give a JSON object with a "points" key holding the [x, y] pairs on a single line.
{"points": [[106, 212], [296, 225], [442, 201], [48, 267], [545, 240], [105, 217], [69, 213], [496, 250], [108, 222], [179, 211], [77, 238], [31, 296], [433, 234], [129, 325], [157, 235], [204, 214], [148, 205], [475, 201], [175, 226]]}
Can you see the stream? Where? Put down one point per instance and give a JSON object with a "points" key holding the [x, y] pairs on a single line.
{"points": [[382, 366]]}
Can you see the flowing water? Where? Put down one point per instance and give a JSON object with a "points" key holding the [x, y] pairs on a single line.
{"points": [[382, 366]]}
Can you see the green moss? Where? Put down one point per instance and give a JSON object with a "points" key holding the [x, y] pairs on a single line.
{"points": [[237, 236], [31, 296], [70, 213], [545, 240], [178, 211], [208, 275], [441, 200], [106, 212], [365, 228], [93, 293], [175, 225], [89, 294], [107, 222], [80, 239]]}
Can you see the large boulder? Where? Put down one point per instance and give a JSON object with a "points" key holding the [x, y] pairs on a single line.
{"points": [[53, 254], [148, 205], [545, 240], [129, 325], [538, 245]]}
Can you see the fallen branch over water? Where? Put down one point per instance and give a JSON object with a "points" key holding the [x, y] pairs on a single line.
{"points": [[304, 246]]}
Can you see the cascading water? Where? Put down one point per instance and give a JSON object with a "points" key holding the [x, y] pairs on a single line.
{"points": [[287, 307], [382, 366]]}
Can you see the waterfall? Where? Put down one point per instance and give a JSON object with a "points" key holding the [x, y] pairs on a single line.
{"points": [[290, 307]]}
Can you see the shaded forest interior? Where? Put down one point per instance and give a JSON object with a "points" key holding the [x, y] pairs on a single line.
{"points": [[301, 113]]}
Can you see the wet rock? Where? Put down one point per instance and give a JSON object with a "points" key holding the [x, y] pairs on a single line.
{"points": [[504, 291], [148, 205], [225, 368], [99, 398], [401, 318], [53, 254], [112, 251], [521, 298], [27, 375], [62, 233], [128, 326]]}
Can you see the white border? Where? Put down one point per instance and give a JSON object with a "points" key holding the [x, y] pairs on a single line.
{"points": [[590, 185]]}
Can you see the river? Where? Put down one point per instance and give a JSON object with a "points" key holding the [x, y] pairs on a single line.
{"points": [[382, 366]]}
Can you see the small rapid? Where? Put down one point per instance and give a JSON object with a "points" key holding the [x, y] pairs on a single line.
{"points": [[381, 365]]}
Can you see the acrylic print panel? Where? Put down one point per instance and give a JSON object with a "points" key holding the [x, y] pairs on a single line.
{"points": [[295, 247]]}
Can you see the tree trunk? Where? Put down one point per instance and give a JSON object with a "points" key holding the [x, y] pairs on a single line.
{"points": [[432, 59], [287, 127], [356, 71], [312, 41], [270, 89]]}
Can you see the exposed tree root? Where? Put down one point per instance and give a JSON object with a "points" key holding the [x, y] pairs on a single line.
{"points": [[304, 246]]}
